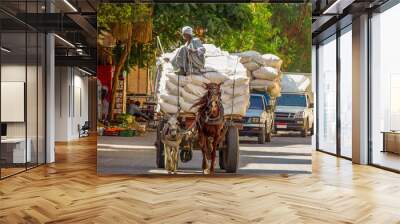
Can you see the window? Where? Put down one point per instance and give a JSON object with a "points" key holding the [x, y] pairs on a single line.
{"points": [[296, 100], [256, 102], [22, 76], [346, 93], [327, 95], [385, 89]]}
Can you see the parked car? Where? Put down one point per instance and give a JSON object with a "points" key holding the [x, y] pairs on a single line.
{"points": [[259, 119], [294, 112]]}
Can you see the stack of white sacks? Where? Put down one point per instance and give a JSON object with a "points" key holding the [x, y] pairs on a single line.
{"points": [[220, 67], [296, 82], [264, 71]]}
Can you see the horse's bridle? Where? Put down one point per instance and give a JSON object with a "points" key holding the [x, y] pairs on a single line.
{"points": [[207, 115]]}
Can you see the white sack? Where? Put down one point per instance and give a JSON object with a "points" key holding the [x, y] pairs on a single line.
{"points": [[239, 109], [227, 99], [216, 77], [259, 88], [271, 60], [183, 80], [261, 82], [168, 108], [189, 97], [195, 90], [268, 73], [186, 107], [295, 83], [248, 56], [199, 80], [274, 90], [213, 51], [172, 88], [237, 80], [249, 74], [251, 66], [242, 90], [227, 64], [171, 99]]}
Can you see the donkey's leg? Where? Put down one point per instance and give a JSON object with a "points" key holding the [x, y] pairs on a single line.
{"points": [[167, 157], [175, 159]]}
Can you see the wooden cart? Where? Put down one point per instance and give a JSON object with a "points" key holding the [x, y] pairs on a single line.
{"points": [[228, 149]]}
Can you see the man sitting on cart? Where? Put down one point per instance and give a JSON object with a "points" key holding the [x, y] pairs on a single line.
{"points": [[190, 57]]}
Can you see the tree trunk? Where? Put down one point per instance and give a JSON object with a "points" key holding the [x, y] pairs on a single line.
{"points": [[118, 70]]}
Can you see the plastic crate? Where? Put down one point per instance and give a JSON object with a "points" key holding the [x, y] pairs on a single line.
{"points": [[127, 133]]}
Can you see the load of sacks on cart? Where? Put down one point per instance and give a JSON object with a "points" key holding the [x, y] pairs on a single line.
{"points": [[237, 74]]}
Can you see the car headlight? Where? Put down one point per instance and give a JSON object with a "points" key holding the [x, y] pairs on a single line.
{"points": [[254, 120], [299, 115]]}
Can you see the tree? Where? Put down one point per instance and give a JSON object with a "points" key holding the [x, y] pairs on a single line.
{"points": [[281, 29], [211, 22], [130, 25], [295, 28]]}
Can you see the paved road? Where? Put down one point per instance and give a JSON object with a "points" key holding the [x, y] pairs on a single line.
{"points": [[286, 153]]}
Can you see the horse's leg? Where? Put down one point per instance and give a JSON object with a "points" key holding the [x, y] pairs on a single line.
{"points": [[208, 154], [213, 155], [203, 151]]}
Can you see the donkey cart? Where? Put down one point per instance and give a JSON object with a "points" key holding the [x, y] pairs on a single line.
{"points": [[228, 148]]}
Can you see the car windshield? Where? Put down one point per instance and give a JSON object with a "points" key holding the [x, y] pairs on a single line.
{"points": [[292, 100], [256, 102]]}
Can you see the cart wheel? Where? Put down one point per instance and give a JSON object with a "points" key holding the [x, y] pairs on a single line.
{"points": [[221, 159], [160, 147], [231, 153]]}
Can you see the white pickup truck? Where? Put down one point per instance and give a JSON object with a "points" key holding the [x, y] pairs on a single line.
{"points": [[295, 112], [259, 119]]}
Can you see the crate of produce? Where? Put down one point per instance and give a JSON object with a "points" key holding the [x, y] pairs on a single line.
{"points": [[111, 132], [127, 133]]}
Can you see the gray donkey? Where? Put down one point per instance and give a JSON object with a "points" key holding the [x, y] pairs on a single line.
{"points": [[171, 137]]}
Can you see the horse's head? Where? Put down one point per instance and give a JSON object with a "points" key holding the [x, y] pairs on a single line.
{"points": [[214, 98], [173, 127]]}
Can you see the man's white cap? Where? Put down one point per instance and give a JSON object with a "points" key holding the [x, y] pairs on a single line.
{"points": [[187, 30]]}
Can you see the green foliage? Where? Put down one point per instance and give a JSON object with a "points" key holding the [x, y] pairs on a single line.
{"points": [[281, 29], [217, 20], [124, 120], [111, 13], [127, 13], [295, 28]]}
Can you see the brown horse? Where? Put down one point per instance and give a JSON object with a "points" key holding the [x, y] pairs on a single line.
{"points": [[210, 125]]}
